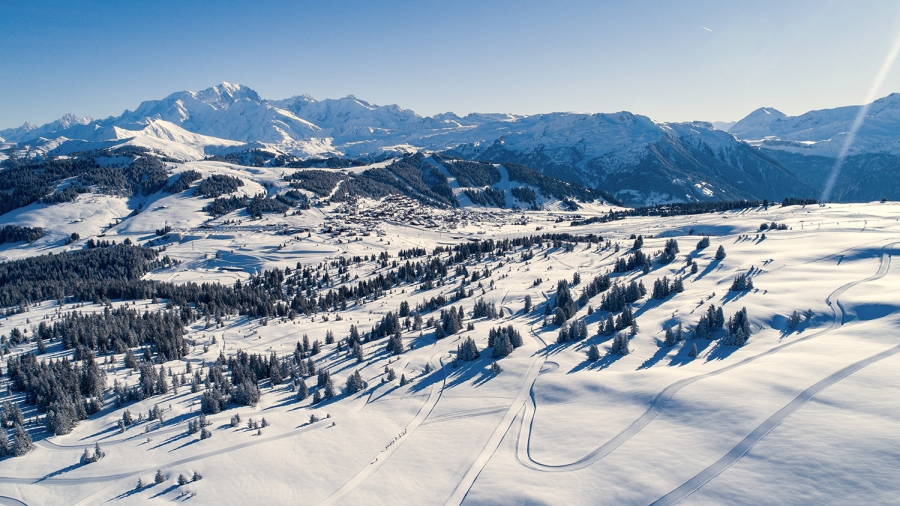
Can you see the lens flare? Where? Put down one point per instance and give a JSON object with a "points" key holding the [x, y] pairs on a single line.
{"points": [[858, 121]]}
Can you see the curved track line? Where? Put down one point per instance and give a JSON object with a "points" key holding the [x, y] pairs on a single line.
{"points": [[371, 468], [735, 454], [523, 453], [11, 501], [468, 480]]}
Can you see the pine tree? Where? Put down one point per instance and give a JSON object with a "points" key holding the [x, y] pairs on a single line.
{"points": [[160, 477], [355, 383], [403, 380], [528, 305], [693, 352], [670, 337], [502, 346], [182, 480], [720, 253], [330, 390], [22, 443], [302, 390], [593, 353], [140, 484], [620, 344], [496, 369]]}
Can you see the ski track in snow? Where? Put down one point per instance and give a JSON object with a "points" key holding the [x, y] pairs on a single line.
{"points": [[736, 453], [534, 370], [433, 397], [523, 451]]}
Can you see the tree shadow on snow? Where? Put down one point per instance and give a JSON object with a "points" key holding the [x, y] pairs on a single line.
{"points": [[165, 491], [659, 355], [721, 351], [713, 265], [59, 472], [683, 356], [604, 362]]}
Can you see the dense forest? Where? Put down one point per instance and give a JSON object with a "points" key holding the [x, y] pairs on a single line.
{"points": [[54, 180]]}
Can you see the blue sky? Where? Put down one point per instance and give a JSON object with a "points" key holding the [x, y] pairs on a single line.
{"points": [[98, 58]]}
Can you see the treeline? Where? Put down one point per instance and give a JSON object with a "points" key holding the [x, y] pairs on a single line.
{"points": [[15, 233]]}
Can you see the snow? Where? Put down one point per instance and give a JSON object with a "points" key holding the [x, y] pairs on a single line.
{"points": [[804, 416]]}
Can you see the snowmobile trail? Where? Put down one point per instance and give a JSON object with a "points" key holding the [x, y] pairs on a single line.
{"points": [[379, 460], [523, 450], [736, 453]]}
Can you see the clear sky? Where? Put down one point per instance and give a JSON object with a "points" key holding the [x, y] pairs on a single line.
{"points": [[670, 60]]}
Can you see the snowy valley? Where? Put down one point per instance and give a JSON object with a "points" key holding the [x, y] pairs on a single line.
{"points": [[424, 328]]}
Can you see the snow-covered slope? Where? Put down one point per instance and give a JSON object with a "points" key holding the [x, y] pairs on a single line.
{"points": [[804, 413]]}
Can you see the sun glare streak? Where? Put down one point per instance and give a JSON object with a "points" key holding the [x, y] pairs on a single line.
{"points": [[858, 121]]}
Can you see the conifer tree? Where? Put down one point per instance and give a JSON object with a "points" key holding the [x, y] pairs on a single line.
{"points": [[593, 353], [720, 253], [302, 390], [160, 477], [620, 344]]}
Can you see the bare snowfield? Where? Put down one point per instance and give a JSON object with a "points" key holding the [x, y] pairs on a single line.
{"points": [[805, 416]]}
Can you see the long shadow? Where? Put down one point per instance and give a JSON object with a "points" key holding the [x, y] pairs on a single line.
{"points": [[721, 351], [683, 356], [95, 435], [425, 381], [650, 304], [709, 268], [164, 491], [733, 296], [171, 439], [59, 472], [659, 355], [185, 445], [123, 495], [468, 371], [604, 362]]}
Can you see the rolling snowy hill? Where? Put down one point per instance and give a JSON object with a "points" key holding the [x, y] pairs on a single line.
{"points": [[801, 411]]}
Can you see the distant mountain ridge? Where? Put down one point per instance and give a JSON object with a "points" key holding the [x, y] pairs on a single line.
{"points": [[629, 155]]}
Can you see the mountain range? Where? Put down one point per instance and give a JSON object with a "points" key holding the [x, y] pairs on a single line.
{"points": [[765, 155]]}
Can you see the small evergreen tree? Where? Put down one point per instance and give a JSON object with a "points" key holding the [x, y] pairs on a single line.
{"points": [[720, 253], [355, 383], [22, 443], [302, 389], [160, 477], [593, 353], [620, 344]]}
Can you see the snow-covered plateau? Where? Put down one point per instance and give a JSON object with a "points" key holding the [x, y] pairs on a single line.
{"points": [[613, 387]]}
